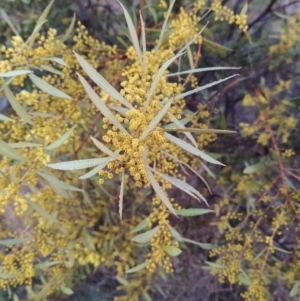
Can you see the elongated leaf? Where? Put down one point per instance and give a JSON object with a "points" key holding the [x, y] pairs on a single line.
{"points": [[202, 70], [172, 251], [187, 188], [104, 149], [202, 245], [51, 69], [46, 264], [216, 265], [66, 290], [61, 139], [121, 195], [7, 151], [24, 144], [9, 22], [244, 9], [295, 290], [99, 103], [69, 30], [254, 168], [156, 120], [195, 151], [164, 27], [182, 95], [49, 89], [193, 211], [143, 42], [15, 104], [94, 171], [102, 82], [56, 182], [15, 73], [5, 118], [14, 241], [142, 225], [183, 128], [244, 279], [183, 121], [8, 276], [145, 237], [40, 210], [55, 59], [79, 164], [199, 131], [137, 268], [175, 234]]}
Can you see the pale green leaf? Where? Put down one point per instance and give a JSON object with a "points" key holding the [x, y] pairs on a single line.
{"points": [[46, 264], [79, 164], [216, 265], [57, 60], [94, 171], [175, 233], [56, 182], [100, 104], [146, 296], [14, 241], [254, 168], [182, 95], [61, 139], [143, 42], [154, 122], [69, 30], [201, 70], [15, 104], [142, 225], [66, 290], [172, 251], [146, 236], [282, 250], [7, 151], [193, 211], [137, 268], [244, 9], [5, 118], [244, 279], [15, 73], [41, 210], [133, 35], [45, 87], [102, 82], [24, 144], [8, 276], [51, 69], [198, 131], [121, 197], [295, 290], [183, 121], [202, 245], [195, 151], [165, 26], [104, 149], [44, 115], [9, 22]]}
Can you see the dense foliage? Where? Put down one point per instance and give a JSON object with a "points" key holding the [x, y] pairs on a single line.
{"points": [[113, 149]]}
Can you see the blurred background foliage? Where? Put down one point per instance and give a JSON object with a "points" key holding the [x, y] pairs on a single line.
{"points": [[256, 197]]}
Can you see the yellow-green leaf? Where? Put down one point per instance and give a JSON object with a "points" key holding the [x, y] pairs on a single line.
{"points": [[104, 149], [172, 251], [137, 268], [61, 139], [8, 151], [15, 73], [193, 211], [142, 225], [121, 195], [146, 236], [69, 30]]}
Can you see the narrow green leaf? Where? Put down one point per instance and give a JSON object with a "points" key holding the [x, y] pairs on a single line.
{"points": [[61, 139], [175, 234], [8, 276], [143, 43], [121, 195], [190, 57], [104, 149], [182, 95], [146, 236], [5, 118], [254, 168], [56, 182], [15, 104], [201, 70], [244, 279], [282, 250], [15, 73], [199, 131], [40, 210], [183, 121], [99, 103], [9, 22], [51, 69], [216, 265], [156, 120], [24, 144], [165, 26], [195, 151], [46, 264], [146, 296], [7, 151], [79, 164], [133, 35], [69, 30], [101, 81], [193, 211], [95, 170], [202, 245], [54, 59], [14, 241], [66, 290], [45, 87], [142, 225], [295, 290], [172, 251], [137, 268], [244, 9]]}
